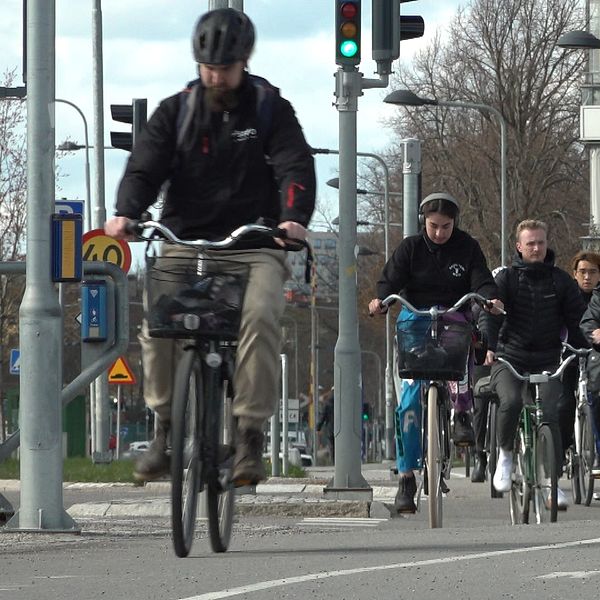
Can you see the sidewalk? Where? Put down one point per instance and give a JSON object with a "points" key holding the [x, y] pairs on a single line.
{"points": [[278, 496]]}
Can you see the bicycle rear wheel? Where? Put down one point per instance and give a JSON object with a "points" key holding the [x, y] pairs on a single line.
{"points": [[493, 449], [434, 458], [546, 481], [220, 490], [520, 492], [187, 414], [586, 456]]}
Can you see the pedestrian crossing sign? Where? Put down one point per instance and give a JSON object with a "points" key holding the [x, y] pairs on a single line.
{"points": [[120, 373]]}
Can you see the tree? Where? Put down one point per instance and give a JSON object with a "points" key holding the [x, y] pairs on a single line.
{"points": [[13, 184], [503, 53]]}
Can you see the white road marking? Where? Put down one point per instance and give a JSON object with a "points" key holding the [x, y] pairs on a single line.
{"points": [[342, 521], [570, 574], [274, 583]]}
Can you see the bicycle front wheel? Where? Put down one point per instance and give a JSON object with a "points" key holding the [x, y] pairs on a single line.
{"points": [[434, 459], [220, 490], [187, 414], [546, 481], [520, 491], [586, 456]]}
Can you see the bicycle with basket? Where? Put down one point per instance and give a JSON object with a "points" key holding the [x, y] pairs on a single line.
{"points": [[433, 348], [196, 299]]}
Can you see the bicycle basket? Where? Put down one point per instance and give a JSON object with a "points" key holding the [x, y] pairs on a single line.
{"points": [[191, 297], [421, 357]]}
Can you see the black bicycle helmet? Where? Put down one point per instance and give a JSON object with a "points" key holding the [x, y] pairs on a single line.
{"points": [[223, 36]]}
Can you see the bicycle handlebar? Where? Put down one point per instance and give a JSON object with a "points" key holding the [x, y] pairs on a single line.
{"points": [[577, 351], [435, 312], [137, 228], [542, 377]]}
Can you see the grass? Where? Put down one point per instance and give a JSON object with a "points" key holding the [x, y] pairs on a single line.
{"points": [[118, 471], [81, 469]]}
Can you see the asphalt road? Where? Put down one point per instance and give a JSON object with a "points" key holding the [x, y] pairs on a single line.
{"points": [[477, 554]]}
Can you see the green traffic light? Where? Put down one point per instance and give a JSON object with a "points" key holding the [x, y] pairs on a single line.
{"points": [[348, 48]]}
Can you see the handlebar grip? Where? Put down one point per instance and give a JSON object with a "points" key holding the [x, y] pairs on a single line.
{"points": [[134, 227]]}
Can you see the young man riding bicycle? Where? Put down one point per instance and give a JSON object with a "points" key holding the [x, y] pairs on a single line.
{"points": [[541, 301], [434, 268], [219, 178]]}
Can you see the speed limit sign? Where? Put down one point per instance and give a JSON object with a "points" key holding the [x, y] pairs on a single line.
{"points": [[101, 247]]}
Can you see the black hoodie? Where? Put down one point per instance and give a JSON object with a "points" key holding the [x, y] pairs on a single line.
{"points": [[429, 274]]}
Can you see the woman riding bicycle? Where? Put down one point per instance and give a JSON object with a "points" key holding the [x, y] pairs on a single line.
{"points": [[434, 268]]}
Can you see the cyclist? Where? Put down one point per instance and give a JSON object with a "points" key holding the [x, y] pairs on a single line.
{"points": [[541, 300], [227, 171], [585, 267], [590, 325], [433, 268]]}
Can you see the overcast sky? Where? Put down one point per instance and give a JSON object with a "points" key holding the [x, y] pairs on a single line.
{"points": [[147, 54]]}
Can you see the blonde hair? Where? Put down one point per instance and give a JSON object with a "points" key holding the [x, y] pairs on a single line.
{"points": [[530, 224]]}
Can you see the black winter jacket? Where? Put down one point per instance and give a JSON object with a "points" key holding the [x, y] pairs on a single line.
{"points": [[541, 301], [218, 176], [429, 274], [591, 317]]}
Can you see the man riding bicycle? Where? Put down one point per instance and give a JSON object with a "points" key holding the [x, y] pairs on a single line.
{"points": [[232, 151], [433, 268], [541, 300]]}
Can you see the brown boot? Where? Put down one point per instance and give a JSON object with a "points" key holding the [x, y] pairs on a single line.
{"points": [[248, 465], [155, 462]]}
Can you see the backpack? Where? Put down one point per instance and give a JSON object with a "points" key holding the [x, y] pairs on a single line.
{"points": [[265, 95]]}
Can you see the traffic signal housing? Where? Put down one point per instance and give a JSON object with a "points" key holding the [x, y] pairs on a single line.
{"points": [[135, 114], [347, 32], [389, 28], [366, 411]]}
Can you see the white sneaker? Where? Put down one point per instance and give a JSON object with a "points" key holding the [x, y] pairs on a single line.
{"points": [[562, 502], [502, 476]]}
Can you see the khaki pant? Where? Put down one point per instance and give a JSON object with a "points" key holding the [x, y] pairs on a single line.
{"points": [[256, 380]]}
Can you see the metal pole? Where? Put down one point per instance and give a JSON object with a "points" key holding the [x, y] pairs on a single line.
{"points": [[284, 415], [40, 316], [347, 480], [100, 386], [118, 432], [88, 199]]}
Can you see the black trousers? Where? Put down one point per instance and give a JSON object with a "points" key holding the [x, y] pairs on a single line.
{"points": [[481, 405], [511, 393]]}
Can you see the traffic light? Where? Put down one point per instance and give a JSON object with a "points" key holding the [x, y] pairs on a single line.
{"points": [[366, 411], [136, 115], [347, 32], [389, 28]]}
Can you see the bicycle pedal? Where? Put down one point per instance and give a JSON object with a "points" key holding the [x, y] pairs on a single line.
{"points": [[445, 489]]}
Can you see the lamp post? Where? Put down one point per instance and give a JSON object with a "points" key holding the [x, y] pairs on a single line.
{"points": [[590, 115], [408, 98], [88, 206], [389, 383]]}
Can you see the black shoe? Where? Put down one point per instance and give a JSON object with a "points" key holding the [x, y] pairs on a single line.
{"points": [[478, 473], [155, 462], [405, 497], [248, 465], [463, 432]]}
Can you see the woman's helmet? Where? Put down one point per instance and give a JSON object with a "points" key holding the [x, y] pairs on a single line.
{"points": [[223, 36]]}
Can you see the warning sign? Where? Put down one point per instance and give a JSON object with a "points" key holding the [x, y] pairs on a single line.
{"points": [[121, 373]]}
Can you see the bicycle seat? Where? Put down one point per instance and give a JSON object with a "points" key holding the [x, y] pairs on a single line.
{"points": [[482, 388]]}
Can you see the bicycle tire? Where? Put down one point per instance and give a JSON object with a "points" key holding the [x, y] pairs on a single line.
{"points": [[546, 479], [434, 457], [220, 492], [520, 491], [187, 416], [493, 449], [573, 474], [586, 456]]}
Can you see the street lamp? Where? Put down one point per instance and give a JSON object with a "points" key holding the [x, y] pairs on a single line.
{"points": [[389, 385], [589, 115], [88, 206], [408, 98]]}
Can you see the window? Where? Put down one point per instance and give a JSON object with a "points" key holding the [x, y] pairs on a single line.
{"points": [[330, 244]]}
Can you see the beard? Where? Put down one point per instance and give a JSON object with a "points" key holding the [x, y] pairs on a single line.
{"points": [[220, 100]]}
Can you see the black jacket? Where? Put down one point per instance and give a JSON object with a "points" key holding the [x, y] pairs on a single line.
{"points": [[591, 317], [429, 274], [541, 302], [218, 176]]}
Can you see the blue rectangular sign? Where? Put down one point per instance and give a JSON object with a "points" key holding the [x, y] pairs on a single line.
{"points": [[68, 207], [15, 361], [93, 311]]}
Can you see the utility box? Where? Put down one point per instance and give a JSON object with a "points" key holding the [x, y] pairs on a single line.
{"points": [[589, 123]]}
